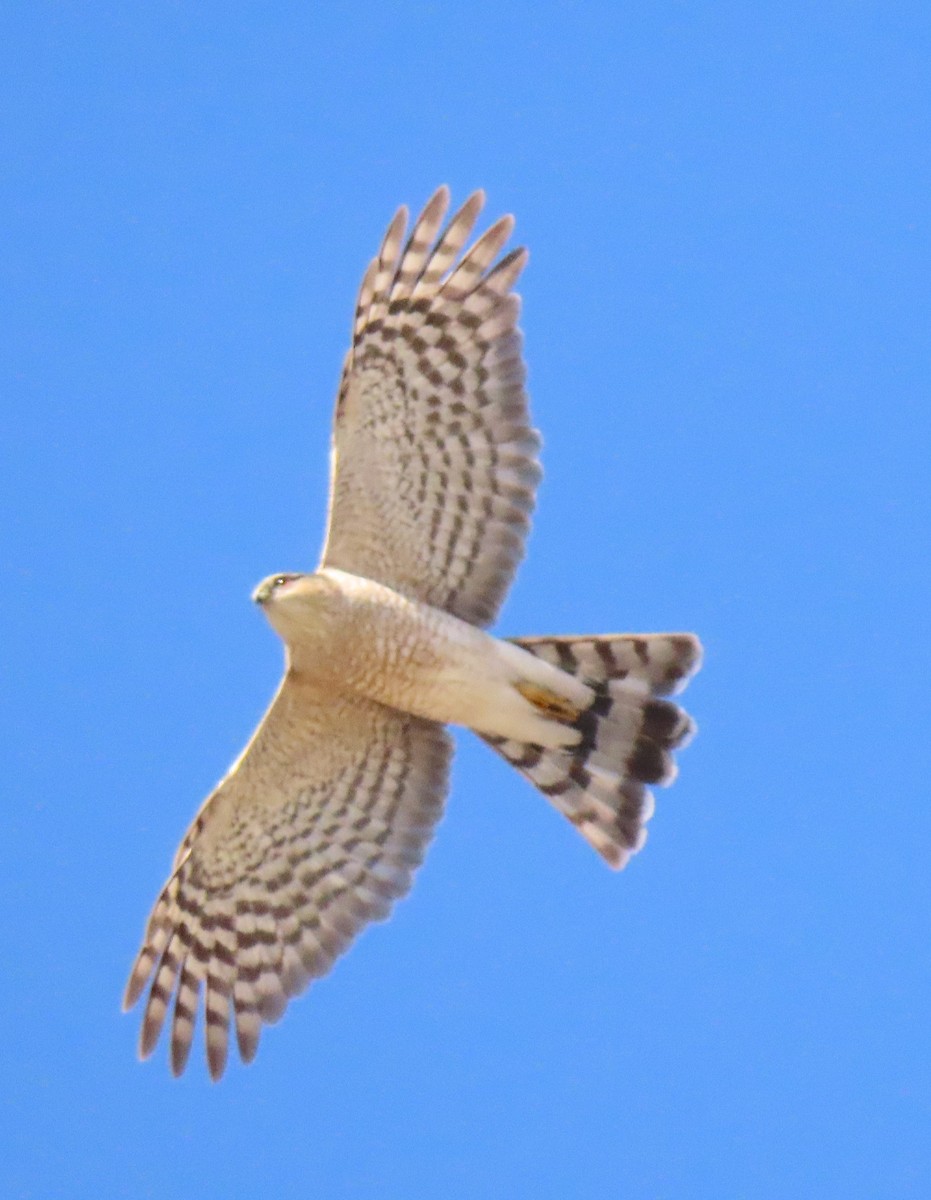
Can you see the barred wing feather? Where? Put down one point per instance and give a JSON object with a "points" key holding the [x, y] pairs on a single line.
{"points": [[314, 833], [434, 466]]}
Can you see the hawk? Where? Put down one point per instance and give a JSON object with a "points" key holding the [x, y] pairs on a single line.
{"points": [[319, 825]]}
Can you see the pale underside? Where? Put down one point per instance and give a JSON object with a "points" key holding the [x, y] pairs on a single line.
{"points": [[319, 825]]}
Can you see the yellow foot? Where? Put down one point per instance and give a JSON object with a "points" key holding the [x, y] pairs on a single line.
{"points": [[547, 701]]}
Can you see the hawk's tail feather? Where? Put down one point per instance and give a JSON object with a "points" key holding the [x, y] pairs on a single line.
{"points": [[627, 734]]}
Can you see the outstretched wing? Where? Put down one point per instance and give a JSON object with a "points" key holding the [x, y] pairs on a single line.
{"points": [[434, 460], [315, 831]]}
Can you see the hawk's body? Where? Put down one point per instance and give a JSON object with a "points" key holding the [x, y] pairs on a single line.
{"points": [[354, 635], [319, 825]]}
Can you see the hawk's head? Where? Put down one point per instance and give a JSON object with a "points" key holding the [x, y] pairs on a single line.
{"points": [[298, 606], [273, 587]]}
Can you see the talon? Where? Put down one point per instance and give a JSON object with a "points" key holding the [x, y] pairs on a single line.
{"points": [[548, 702]]}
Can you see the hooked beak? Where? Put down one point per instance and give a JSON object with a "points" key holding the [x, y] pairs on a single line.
{"points": [[262, 593]]}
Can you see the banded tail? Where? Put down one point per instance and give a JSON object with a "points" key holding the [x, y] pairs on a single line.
{"points": [[628, 734]]}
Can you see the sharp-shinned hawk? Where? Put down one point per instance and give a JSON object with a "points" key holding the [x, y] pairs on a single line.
{"points": [[321, 822]]}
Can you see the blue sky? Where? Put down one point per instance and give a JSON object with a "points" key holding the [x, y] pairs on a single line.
{"points": [[726, 316]]}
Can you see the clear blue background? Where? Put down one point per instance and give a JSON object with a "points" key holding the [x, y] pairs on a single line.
{"points": [[727, 318]]}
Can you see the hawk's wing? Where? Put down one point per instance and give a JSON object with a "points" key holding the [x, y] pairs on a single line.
{"points": [[434, 459], [314, 832]]}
